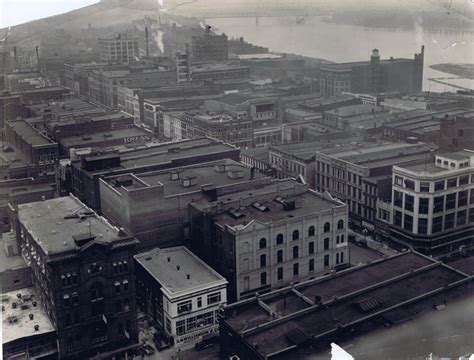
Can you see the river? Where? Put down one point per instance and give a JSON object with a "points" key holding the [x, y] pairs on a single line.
{"points": [[344, 43]]}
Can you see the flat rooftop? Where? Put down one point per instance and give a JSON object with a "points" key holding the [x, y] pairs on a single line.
{"points": [[270, 208], [354, 110], [23, 129], [202, 174], [54, 223], [171, 267], [16, 323], [108, 136], [65, 108], [393, 290], [10, 262], [154, 154]]}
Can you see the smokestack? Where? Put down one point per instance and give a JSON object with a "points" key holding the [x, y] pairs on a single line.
{"points": [[37, 53], [146, 42]]}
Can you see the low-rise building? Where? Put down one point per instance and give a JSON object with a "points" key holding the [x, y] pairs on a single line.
{"points": [[154, 206], [27, 331], [180, 293], [270, 236], [81, 176], [457, 133], [351, 116], [433, 204], [209, 47], [83, 275], [120, 48], [341, 169], [218, 72], [301, 321]]}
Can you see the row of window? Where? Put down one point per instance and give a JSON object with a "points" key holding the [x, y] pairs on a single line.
{"points": [[296, 253], [296, 269], [296, 234], [191, 323], [440, 203], [187, 306], [440, 185], [451, 220]]}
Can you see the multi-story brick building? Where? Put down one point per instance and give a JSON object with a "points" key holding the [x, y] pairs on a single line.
{"points": [[83, 274], [209, 47], [433, 204], [120, 48], [403, 75], [271, 236]]}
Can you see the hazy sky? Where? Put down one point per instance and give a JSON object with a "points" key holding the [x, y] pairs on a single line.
{"points": [[13, 12]]}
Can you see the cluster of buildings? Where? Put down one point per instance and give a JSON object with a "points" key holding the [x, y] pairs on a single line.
{"points": [[214, 191]]}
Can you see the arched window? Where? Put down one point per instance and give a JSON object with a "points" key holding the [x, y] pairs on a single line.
{"points": [[295, 252], [245, 247], [327, 227], [279, 239], [311, 231], [280, 256], [263, 260], [263, 243], [296, 235], [340, 224], [311, 248]]}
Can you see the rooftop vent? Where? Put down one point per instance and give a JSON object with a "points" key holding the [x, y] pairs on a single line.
{"points": [[220, 168], [123, 182], [175, 174], [82, 239], [188, 276], [31, 316], [108, 135], [235, 174], [37, 327], [178, 267], [169, 259], [236, 214], [148, 258], [260, 207], [174, 150], [189, 181], [87, 137], [368, 304]]}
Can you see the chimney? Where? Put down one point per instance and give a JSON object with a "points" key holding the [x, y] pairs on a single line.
{"points": [[178, 267], [146, 43], [188, 276], [37, 327], [169, 259], [31, 316]]}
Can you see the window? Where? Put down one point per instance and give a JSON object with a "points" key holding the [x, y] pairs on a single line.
{"points": [[340, 224], [96, 291], [450, 201], [342, 239], [461, 218], [326, 260], [337, 239], [180, 327], [410, 184], [295, 252], [311, 265], [263, 260], [311, 248], [397, 218], [279, 239], [296, 235], [342, 256], [438, 205], [449, 221], [408, 223], [279, 256], [409, 201], [337, 258], [326, 244], [263, 243], [263, 278], [424, 205], [452, 183], [398, 180], [424, 186], [185, 306], [422, 226], [463, 180], [199, 302], [439, 185], [213, 298], [296, 269], [280, 273], [311, 231], [327, 227], [462, 198], [397, 198], [125, 285], [437, 224]]}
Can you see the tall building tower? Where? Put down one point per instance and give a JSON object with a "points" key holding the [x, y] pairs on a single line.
{"points": [[375, 80]]}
